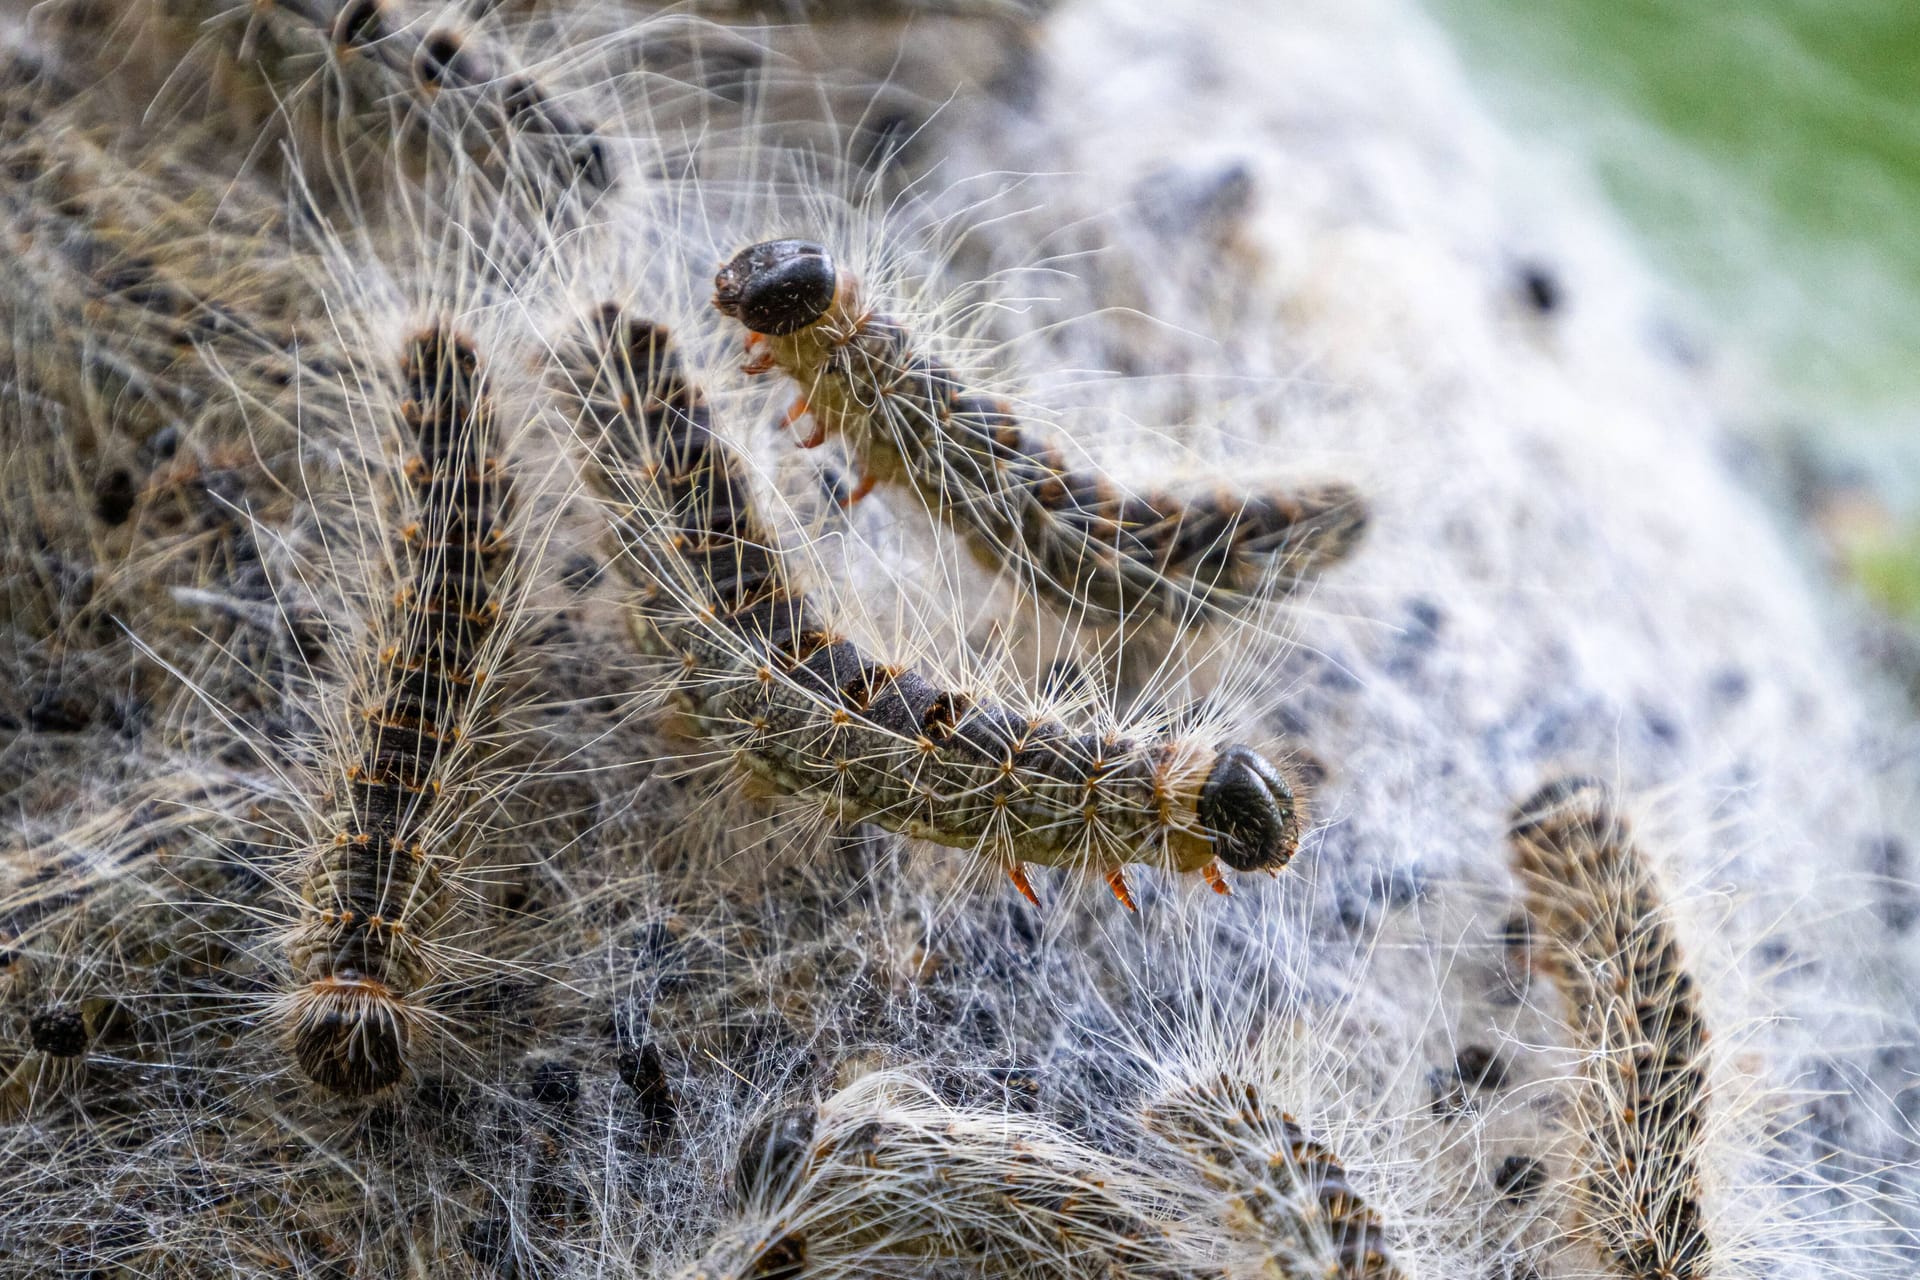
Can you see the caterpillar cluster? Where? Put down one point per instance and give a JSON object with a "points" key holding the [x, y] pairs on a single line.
{"points": [[769, 681], [375, 893], [1071, 535], [369, 919]]}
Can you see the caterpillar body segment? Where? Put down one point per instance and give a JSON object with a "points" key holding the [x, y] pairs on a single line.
{"points": [[1288, 1198], [1592, 901], [1071, 535], [886, 1179], [811, 715], [378, 888]]}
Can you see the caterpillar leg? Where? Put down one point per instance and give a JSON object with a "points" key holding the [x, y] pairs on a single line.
{"points": [[800, 411], [861, 489], [759, 357]]}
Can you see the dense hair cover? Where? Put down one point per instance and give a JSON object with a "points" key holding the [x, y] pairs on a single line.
{"points": [[884, 638]]}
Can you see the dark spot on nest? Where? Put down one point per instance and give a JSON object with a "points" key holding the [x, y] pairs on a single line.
{"points": [[59, 1031], [554, 1084], [1540, 288], [645, 1075], [1519, 1178], [114, 495]]}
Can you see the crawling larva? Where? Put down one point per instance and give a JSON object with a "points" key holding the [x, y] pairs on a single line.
{"points": [[886, 1179], [1288, 1197], [376, 891], [1632, 1011], [366, 74], [672, 987], [768, 680], [1070, 535]]}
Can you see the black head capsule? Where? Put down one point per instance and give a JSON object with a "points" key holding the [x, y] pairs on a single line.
{"points": [[1248, 809], [1575, 799], [774, 1156], [359, 24], [777, 287]]}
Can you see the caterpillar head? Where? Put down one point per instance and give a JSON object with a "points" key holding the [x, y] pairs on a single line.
{"points": [[350, 1033], [777, 287], [1250, 811], [1570, 807], [774, 1155]]}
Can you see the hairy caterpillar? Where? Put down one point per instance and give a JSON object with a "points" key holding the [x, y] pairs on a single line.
{"points": [[756, 977], [1288, 1197], [139, 298], [369, 73], [375, 893], [886, 1179], [806, 711], [1072, 535], [1632, 1010]]}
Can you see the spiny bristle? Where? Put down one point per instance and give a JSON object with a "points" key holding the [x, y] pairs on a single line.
{"points": [[1633, 1013]]}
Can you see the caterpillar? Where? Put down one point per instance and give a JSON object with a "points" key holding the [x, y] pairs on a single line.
{"points": [[1071, 535], [386, 71], [805, 711], [886, 1179], [374, 894], [1634, 1014], [1288, 1197], [138, 300]]}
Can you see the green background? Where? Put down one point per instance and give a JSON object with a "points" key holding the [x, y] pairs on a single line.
{"points": [[1767, 155]]}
